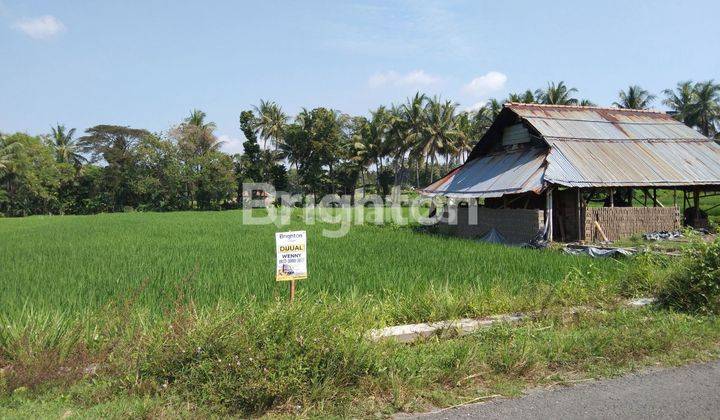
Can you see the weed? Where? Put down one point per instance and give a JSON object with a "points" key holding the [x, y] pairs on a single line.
{"points": [[694, 282]]}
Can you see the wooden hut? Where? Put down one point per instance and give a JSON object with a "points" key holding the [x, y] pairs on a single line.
{"points": [[580, 173]]}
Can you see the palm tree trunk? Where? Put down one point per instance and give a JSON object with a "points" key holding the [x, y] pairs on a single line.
{"points": [[417, 173], [396, 172], [427, 166], [362, 177], [378, 169], [432, 168]]}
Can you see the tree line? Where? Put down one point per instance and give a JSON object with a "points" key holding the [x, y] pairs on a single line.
{"points": [[117, 168]]}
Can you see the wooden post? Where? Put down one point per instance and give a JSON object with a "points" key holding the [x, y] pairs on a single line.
{"points": [[549, 213], [612, 197], [292, 290], [602, 232], [579, 215], [696, 203], [655, 202], [674, 197]]}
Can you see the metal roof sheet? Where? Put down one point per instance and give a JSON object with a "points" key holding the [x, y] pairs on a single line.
{"points": [[592, 146], [596, 123], [494, 175], [592, 163], [587, 147]]}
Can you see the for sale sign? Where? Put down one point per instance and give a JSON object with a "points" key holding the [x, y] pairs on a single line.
{"points": [[291, 255]]}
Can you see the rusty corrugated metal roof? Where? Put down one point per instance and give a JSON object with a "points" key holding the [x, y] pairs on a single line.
{"points": [[494, 175], [588, 147], [576, 122], [591, 163], [591, 146]]}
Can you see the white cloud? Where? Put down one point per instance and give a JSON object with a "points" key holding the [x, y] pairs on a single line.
{"points": [[43, 27], [486, 84], [231, 145], [414, 78]]}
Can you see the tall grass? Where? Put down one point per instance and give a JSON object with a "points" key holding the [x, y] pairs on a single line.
{"points": [[178, 315], [76, 264], [311, 358]]}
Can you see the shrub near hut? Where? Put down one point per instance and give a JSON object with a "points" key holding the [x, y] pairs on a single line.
{"points": [[695, 285]]}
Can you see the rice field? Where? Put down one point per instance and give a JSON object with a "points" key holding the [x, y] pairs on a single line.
{"points": [[73, 264], [179, 315], [710, 204]]}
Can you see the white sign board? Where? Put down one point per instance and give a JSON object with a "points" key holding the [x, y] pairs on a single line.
{"points": [[291, 249]]}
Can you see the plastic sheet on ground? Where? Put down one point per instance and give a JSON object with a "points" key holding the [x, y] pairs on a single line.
{"points": [[493, 237], [598, 252], [539, 241], [662, 235]]}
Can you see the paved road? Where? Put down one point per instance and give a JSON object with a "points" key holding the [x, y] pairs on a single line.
{"points": [[690, 392]]}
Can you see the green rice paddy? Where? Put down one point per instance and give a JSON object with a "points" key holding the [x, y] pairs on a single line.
{"points": [[75, 264]]}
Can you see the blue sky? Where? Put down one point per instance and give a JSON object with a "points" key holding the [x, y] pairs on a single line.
{"points": [[148, 63]]}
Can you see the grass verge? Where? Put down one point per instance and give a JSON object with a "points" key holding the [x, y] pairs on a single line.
{"points": [[312, 360]]}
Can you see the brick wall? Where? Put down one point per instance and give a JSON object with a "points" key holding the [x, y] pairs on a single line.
{"points": [[622, 222], [517, 226]]}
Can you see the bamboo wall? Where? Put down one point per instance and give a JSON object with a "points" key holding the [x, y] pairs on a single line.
{"points": [[623, 222]]}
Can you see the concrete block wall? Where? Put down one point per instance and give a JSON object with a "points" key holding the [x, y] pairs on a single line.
{"points": [[623, 222], [517, 226]]}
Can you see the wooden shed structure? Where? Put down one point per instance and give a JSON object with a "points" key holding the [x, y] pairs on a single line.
{"points": [[581, 174]]}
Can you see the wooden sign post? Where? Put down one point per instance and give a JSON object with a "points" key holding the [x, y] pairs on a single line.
{"points": [[291, 250]]}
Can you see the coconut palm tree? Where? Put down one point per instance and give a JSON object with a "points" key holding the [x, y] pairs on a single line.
{"points": [[414, 116], [197, 136], [396, 142], [527, 97], [66, 148], [7, 153], [494, 107], [411, 121], [439, 132], [197, 119], [481, 119], [271, 122], [295, 145], [556, 94], [375, 139], [587, 102], [395, 135], [705, 109], [465, 139], [680, 101], [360, 154], [634, 98]]}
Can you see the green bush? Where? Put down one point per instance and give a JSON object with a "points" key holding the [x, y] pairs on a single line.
{"points": [[252, 360], [645, 275], [694, 283]]}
